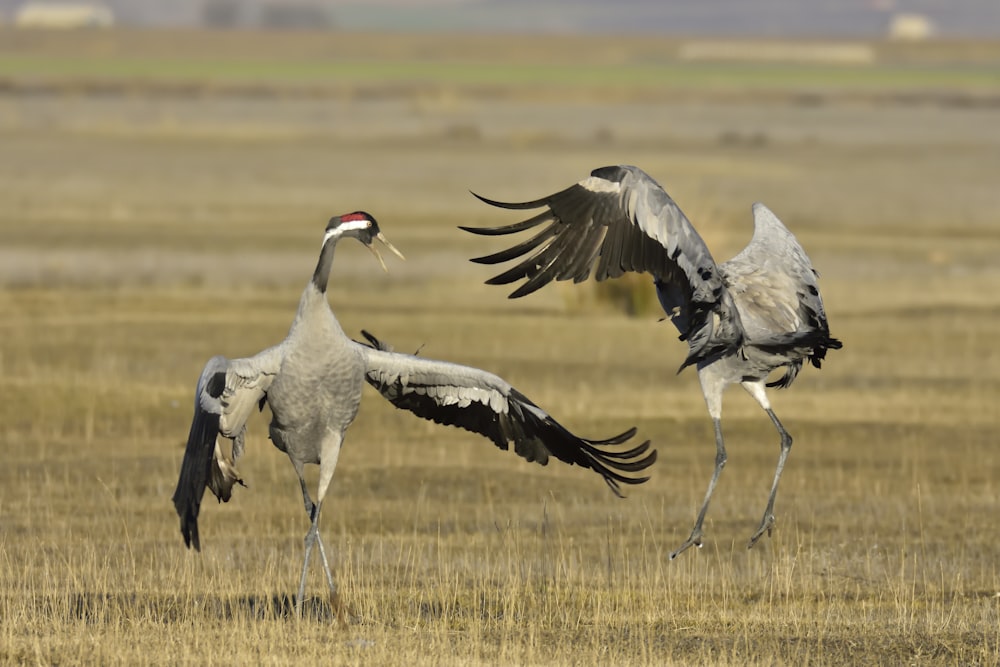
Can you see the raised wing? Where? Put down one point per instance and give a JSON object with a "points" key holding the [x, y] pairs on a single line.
{"points": [[777, 293], [617, 220], [484, 403], [227, 393]]}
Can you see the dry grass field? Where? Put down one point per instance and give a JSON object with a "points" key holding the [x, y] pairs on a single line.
{"points": [[148, 223]]}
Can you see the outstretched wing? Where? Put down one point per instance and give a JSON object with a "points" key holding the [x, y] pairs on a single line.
{"points": [[617, 220], [781, 308], [483, 403], [227, 393]]}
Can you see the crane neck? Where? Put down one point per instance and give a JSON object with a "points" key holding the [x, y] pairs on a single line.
{"points": [[321, 276]]}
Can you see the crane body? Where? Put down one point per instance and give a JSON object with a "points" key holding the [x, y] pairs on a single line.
{"points": [[313, 381], [743, 319]]}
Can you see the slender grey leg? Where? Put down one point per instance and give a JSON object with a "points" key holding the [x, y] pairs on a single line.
{"points": [[767, 523], [720, 462], [341, 611], [311, 537], [310, 507], [313, 511], [326, 565]]}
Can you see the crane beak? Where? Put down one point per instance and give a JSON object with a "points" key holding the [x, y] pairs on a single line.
{"points": [[385, 242], [381, 237]]}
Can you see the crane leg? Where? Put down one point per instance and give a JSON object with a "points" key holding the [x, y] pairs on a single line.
{"points": [[310, 540], [767, 522], [341, 611], [330, 455], [313, 537], [694, 540], [310, 505]]}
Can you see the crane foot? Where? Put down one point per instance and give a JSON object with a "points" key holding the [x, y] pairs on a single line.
{"points": [[766, 526], [694, 540]]}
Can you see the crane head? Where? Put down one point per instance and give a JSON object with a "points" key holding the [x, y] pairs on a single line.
{"points": [[364, 227]]}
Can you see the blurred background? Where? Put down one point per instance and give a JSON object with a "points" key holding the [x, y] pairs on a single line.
{"points": [[202, 112], [753, 18]]}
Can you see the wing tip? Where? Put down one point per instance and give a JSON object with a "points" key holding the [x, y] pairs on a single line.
{"points": [[481, 231], [189, 530], [514, 206], [611, 465], [487, 231], [526, 289], [617, 439]]}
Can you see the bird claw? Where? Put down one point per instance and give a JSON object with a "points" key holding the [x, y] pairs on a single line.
{"points": [[766, 526], [693, 541]]}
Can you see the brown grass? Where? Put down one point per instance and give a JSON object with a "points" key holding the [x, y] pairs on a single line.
{"points": [[140, 238]]}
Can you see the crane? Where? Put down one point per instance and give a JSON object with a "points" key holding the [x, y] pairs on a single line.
{"points": [[742, 319], [312, 382]]}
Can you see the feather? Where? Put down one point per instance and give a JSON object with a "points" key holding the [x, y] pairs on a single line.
{"points": [[483, 403]]}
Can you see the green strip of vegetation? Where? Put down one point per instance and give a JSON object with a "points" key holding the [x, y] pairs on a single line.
{"points": [[685, 75]]}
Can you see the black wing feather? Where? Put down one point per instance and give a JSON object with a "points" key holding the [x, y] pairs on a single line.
{"points": [[621, 220], [197, 463], [534, 434], [520, 249]]}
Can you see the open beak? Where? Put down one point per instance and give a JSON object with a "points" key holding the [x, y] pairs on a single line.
{"points": [[381, 237]]}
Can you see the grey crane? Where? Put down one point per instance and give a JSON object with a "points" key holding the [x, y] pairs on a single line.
{"points": [[312, 382], [742, 319]]}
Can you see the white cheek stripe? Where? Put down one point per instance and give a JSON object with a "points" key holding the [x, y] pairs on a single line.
{"points": [[354, 224], [345, 227]]}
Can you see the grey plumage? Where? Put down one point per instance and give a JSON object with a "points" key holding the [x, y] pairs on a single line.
{"points": [[742, 319], [312, 382], [483, 403]]}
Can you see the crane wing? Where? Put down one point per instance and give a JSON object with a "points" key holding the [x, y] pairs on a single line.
{"points": [[617, 220], [483, 403], [777, 290], [228, 390]]}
